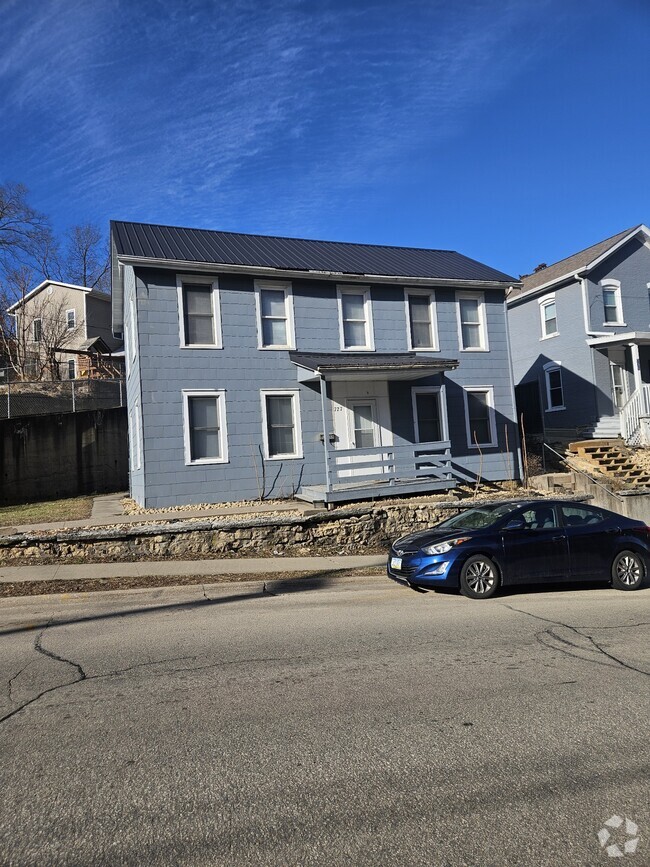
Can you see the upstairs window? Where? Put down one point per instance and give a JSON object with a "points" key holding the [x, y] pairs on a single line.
{"points": [[471, 321], [37, 330], [548, 313], [72, 368], [355, 318], [612, 302], [274, 303], [479, 417], [421, 315], [71, 317], [199, 306]]}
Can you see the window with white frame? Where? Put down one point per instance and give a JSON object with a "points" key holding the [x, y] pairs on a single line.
{"points": [[71, 318], [133, 328], [421, 317], [429, 414], [554, 389], [479, 416], [274, 303], [205, 433], [281, 424], [198, 301], [37, 330], [355, 318], [72, 368], [612, 302], [472, 333], [548, 313]]}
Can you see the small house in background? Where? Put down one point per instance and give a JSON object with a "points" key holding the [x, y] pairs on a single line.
{"points": [[580, 336], [63, 331], [274, 367]]}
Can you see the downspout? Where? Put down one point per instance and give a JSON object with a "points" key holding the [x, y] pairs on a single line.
{"points": [[512, 387]]}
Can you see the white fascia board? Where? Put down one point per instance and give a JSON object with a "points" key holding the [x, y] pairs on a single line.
{"points": [[339, 276], [627, 337], [40, 288], [573, 276]]}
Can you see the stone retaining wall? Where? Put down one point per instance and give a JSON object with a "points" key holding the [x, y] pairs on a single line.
{"points": [[357, 530]]}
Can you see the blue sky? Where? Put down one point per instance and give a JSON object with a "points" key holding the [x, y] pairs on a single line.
{"points": [[514, 131]]}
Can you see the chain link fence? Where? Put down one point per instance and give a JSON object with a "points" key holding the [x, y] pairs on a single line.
{"points": [[74, 395]]}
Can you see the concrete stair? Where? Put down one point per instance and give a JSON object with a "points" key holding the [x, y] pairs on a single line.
{"points": [[613, 459]]}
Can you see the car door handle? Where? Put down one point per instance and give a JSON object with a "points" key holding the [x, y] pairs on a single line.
{"points": [[556, 538], [612, 530]]}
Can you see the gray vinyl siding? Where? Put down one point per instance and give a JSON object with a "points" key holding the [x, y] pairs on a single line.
{"points": [[164, 370], [530, 352], [586, 376]]}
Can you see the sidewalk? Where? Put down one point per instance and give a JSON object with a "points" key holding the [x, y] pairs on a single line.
{"points": [[169, 568], [107, 511]]}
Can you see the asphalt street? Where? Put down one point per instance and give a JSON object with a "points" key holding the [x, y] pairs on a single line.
{"points": [[354, 723]]}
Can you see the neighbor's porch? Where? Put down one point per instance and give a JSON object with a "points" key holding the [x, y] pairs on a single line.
{"points": [[364, 456]]}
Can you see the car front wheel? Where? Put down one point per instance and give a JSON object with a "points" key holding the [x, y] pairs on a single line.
{"points": [[628, 571], [479, 577]]}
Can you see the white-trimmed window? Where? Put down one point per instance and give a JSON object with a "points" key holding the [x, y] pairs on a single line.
{"points": [[135, 437], [274, 304], [422, 327], [71, 319], [199, 312], [430, 414], [548, 315], [37, 330], [479, 416], [612, 305], [355, 318], [554, 388], [281, 430], [204, 427], [72, 368], [472, 333], [133, 328]]}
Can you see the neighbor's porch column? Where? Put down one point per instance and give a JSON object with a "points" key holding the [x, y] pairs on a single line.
{"points": [[325, 406], [636, 366]]}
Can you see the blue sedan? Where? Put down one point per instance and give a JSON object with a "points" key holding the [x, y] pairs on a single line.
{"points": [[522, 543]]}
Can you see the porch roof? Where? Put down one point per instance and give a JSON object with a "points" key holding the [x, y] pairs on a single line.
{"points": [[368, 365], [641, 338]]}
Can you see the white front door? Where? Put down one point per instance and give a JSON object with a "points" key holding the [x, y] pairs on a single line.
{"points": [[361, 420]]}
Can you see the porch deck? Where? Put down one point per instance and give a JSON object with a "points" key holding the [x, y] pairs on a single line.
{"points": [[383, 471]]}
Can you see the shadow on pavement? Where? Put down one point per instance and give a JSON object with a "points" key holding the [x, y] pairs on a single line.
{"points": [[315, 581]]}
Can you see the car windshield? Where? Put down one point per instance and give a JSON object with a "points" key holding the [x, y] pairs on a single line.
{"points": [[477, 519]]}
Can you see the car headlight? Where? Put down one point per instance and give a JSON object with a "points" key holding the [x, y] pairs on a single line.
{"points": [[444, 547]]}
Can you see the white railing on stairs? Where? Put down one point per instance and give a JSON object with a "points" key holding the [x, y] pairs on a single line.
{"points": [[637, 406]]}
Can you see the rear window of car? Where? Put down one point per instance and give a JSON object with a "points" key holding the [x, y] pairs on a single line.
{"points": [[581, 516], [477, 519]]}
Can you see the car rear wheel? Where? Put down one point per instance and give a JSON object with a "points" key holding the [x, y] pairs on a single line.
{"points": [[628, 571], [479, 577]]}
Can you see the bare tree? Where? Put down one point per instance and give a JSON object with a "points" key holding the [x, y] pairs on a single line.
{"points": [[23, 231], [86, 261], [36, 330]]}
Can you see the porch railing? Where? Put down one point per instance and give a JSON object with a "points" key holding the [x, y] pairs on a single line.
{"points": [[637, 406], [389, 464]]}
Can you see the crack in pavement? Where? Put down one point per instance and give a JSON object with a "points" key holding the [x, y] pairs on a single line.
{"points": [[81, 674], [549, 636]]}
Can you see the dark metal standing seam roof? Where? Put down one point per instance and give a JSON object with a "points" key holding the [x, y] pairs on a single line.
{"points": [[147, 241]]}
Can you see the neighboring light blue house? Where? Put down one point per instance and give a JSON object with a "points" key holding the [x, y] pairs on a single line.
{"points": [[580, 334], [275, 367]]}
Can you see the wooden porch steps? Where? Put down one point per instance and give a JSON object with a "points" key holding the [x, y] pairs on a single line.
{"points": [[613, 459]]}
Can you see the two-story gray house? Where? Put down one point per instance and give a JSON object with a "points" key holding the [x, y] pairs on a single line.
{"points": [[580, 335], [273, 367]]}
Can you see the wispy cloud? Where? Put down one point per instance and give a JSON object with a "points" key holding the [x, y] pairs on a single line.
{"points": [[243, 115]]}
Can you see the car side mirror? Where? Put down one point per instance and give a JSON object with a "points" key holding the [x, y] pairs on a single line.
{"points": [[515, 524]]}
